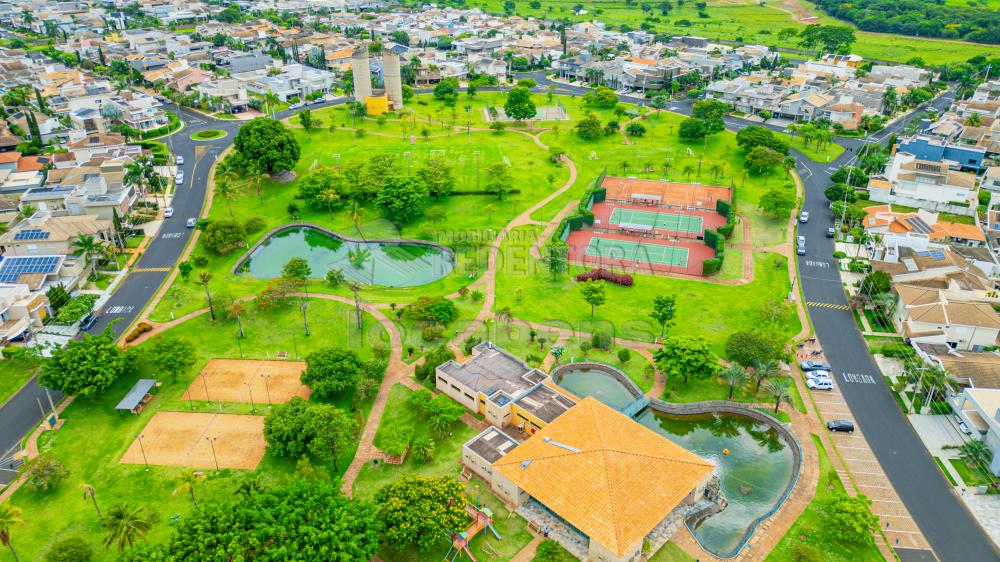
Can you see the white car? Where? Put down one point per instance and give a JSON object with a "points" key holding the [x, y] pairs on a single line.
{"points": [[191, 223], [819, 375], [180, 160], [179, 177], [819, 384], [168, 212], [804, 217]]}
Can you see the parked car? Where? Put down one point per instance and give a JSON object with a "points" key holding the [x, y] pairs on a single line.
{"points": [[318, 100], [179, 160], [962, 426], [819, 374], [800, 250], [192, 222], [840, 425], [819, 384], [814, 366], [179, 177], [87, 322], [168, 212], [804, 217], [831, 232], [800, 240]]}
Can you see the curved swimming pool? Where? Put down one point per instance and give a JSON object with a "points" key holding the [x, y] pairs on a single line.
{"points": [[389, 263]]}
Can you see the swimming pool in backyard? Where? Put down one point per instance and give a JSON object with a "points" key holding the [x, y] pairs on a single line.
{"points": [[754, 475], [388, 263]]}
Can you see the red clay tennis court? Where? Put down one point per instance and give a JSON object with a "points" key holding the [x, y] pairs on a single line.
{"points": [[637, 255], [655, 193]]}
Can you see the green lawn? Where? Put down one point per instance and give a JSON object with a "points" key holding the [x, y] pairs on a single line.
{"points": [[670, 552], [208, 134], [133, 241], [13, 374], [972, 475], [746, 21], [945, 471], [810, 530], [827, 153], [94, 436]]}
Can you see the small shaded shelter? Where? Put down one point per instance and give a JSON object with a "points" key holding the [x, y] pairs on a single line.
{"points": [[136, 398]]}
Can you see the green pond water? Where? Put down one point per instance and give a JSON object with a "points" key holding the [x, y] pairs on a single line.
{"points": [[590, 382], [753, 475], [389, 264]]}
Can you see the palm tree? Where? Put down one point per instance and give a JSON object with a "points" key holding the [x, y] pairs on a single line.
{"points": [[227, 191], [687, 170], [974, 452], [9, 516], [788, 163], [135, 177], [666, 168], [763, 370], [937, 378], [357, 214], [255, 178], [87, 246], [27, 17], [124, 525], [186, 481], [422, 448], [250, 487], [203, 279], [716, 169], [226, 170], [734, 375], [778, 388], [270, 100], [90, 492], [329, 196], [236, 310], [358, 256]]}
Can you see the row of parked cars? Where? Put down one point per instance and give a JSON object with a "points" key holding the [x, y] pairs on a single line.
{"points": [[820, 377]]}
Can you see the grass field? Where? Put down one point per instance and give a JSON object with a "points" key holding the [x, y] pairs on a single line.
{"points": [[13, 374], [810, 530], [750, 22], [94, 436]]}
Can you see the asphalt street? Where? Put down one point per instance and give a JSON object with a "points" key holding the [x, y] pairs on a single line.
{"points": [[950, 529]]}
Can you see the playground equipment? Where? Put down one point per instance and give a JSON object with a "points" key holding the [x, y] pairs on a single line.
{"points": [[482, 517]]}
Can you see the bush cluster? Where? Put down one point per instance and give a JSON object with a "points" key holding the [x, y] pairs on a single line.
{"points": [[601, 274]]}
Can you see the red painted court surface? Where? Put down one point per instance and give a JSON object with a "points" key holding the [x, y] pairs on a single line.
{"points": [[655, 193], [697, 252], [656, 222]]}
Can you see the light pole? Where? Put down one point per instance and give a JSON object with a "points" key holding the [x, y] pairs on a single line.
{"points": [[143, 450], [211, 442], [267, 390], [253, 407], [205, 383]]}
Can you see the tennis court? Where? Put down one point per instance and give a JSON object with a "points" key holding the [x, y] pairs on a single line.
{"points": [[635, 219], [675, 256], [542, 113]]}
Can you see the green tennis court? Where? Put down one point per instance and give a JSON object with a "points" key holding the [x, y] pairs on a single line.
{"points": [[660, 221], [637, 251]]}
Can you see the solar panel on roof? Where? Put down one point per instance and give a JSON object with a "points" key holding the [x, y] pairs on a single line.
{"points": [[32, 234], [919, 225], [12, 267]]}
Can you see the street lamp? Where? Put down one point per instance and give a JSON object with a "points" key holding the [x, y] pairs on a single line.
{"points": [[253, 407], [267, 390], [143, 450], [211, 442], [205, 383]]}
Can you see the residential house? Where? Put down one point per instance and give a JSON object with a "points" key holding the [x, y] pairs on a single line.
{"points": [[926, 184], [230, 91], [45, 235], [87, 147], [22, 310], [927, 315], [139, 110], [980, 408], [922, 227], [934, 149]]}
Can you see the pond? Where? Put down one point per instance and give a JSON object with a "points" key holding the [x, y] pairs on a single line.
{"points": [[384, 263], [753, 475], [583, 382]]}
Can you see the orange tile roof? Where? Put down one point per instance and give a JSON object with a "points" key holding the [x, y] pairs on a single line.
{"points": [[605, 474], [9, 157], [29, 164], [882, 215]]}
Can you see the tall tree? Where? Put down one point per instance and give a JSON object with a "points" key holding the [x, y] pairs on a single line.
{"points": [[763, 370], [10, 516], [686, 356], [519, 104], [420, 511], [91, 492], [86, 366], [734, 375], [778, 389], [124, 526], [498, 180], [333, 432], [235, 310], [401, 200], [663, 311], [268, 144], [170, 355], [186, 482], [593, 294], [204, 278]]}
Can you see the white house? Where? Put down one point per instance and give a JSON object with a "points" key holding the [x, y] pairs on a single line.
{"points": [[925, 184]]}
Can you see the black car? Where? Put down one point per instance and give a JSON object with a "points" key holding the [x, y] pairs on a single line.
{"points": [[87, 322], [840, 425], [831, 233]]}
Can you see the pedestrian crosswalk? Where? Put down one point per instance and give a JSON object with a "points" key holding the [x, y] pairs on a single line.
{"points": [[150, 269], [828, 305]]}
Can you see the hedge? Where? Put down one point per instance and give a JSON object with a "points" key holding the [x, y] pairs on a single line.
{"points": [[712, 239], [599, 195], [711, 266], [170, 127], [726, 230], [723, 207], [601, 274]]}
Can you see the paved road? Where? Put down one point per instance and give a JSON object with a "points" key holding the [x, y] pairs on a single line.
{"points": [[949, 528]]}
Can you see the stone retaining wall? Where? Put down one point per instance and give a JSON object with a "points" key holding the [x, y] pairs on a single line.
{"points": [[613, 372]]}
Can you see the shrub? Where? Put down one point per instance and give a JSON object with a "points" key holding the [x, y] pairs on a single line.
{"points": [[723, 207], [73, 549], [223, 236], [711, 266], [432, 361], [253, 224], [624, 355], [395, 440], [600, 340], [200, 260], [601, 274], [470, 342], [432, 309], [477, 295], [802, 552], [432, 333], [839, 255], [43, 473], [140, 329], [77, 307], [726, 230]]}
